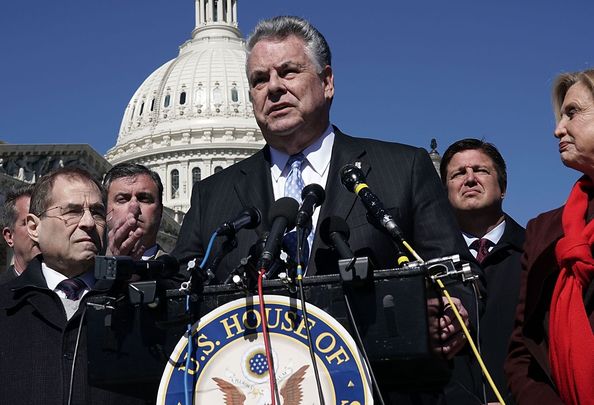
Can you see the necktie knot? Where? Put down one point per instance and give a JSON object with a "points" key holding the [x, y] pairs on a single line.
{"points": [[482, 247], [72, 288]]}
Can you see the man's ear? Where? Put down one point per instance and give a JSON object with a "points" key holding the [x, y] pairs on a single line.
{"points": [[328, 80], [33, 227], [7, 234]]}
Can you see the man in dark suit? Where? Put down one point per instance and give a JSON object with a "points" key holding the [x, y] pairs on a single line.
{"points": [[43, 339], [474, 173], [291, 87]]}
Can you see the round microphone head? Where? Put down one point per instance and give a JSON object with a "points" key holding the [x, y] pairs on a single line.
{"points": [[331, 225], [285, 207], [255, 217], [350, 176], [316, 190]]}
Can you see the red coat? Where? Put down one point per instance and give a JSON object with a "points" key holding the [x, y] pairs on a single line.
{"points": [[527, 365]]}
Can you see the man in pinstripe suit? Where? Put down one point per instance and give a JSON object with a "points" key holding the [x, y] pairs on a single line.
{"points": [[292, 87]]}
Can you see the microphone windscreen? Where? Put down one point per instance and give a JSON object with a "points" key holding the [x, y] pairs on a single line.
{"points": [[255, 217], [350, 176], [285, 207], [316, 190], [331, 225]]}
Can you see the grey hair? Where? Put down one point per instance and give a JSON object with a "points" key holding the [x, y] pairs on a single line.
{"points": [[282, 27], [564, 81]]}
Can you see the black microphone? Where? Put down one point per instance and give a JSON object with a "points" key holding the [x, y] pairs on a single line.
{"points": [[335, 232], [123, 267], [353, 179], [248, 218], [313, 195], [282, 216]]}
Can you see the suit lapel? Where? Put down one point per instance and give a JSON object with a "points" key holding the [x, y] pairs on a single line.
{"points": [[339, 201], [254, 185]]}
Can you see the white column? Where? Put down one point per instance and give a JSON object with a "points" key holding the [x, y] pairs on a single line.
{"points": [[197, 12], [220, 10], [210, 10], [234, 11], [229, 12]]}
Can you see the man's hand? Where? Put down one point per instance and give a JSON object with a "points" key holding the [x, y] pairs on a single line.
{"points": [[447, 336], [125, 238]]}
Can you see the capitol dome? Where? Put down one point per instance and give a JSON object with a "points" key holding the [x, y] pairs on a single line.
{"points": [[192, 116]]}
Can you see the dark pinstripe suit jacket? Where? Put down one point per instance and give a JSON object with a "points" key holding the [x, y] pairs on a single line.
{"points": [[402, 176]]}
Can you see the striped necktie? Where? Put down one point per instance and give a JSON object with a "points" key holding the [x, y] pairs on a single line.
{"points": [[72, 287]]}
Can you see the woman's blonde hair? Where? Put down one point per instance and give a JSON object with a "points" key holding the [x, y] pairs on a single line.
{"points": [[564, 81]]}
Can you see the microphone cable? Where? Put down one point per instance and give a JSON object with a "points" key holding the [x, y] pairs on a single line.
{"points": [[76, 345], [267, 346], [305, 317], [470, 341], [473, 346], [189, 400]]}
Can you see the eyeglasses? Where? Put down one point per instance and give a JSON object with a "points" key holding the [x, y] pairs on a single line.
{"points": [[72, 214]]}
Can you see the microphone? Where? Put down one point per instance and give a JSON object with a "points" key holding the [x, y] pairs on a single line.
{"points": [[282, 216], [123, 267], [248, 219], [313, 195], [353, 179], [335, 232]]}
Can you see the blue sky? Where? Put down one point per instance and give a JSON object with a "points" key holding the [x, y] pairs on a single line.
{"points": [[404, 71]]}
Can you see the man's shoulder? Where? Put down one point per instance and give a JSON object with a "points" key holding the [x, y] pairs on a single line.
{"points": [[254, 162], [376, 144]]}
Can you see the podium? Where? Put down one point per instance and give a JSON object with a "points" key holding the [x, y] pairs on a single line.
{"points": [[132, 344]]}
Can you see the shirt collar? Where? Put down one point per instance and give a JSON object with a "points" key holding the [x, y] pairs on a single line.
{"points": [[494, 235], [317, 154], [53, 278], [150, 252]]}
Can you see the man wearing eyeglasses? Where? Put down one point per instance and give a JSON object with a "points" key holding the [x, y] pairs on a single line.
{"points": [[43, 344]]}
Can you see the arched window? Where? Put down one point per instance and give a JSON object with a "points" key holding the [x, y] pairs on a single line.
{"points": [[218, 169], [196, 175], [174, 183], [141, 108], [153, 105], [167, 100], [182, 98], [234, 95]]}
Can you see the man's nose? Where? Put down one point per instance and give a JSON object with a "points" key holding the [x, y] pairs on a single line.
{"points": [[276, 84], [134, 207], [470, 176]]}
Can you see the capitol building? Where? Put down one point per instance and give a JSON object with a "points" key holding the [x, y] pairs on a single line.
{"points": [[190, 118]]}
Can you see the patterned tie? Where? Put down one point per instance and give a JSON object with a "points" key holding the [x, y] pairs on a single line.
{"points": [[293, 187], [72, 287], [482, 248]]}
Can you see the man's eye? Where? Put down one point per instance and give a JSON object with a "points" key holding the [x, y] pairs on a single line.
{"points": [[258, 81], [571, 112]]}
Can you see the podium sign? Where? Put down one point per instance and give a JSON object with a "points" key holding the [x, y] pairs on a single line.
{"points": [[228, 358]]}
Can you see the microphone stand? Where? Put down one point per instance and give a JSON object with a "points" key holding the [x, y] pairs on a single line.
{"points": [[302, 236]]}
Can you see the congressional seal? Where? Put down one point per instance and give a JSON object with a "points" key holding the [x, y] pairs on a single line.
{"points": [[228, 362]]}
